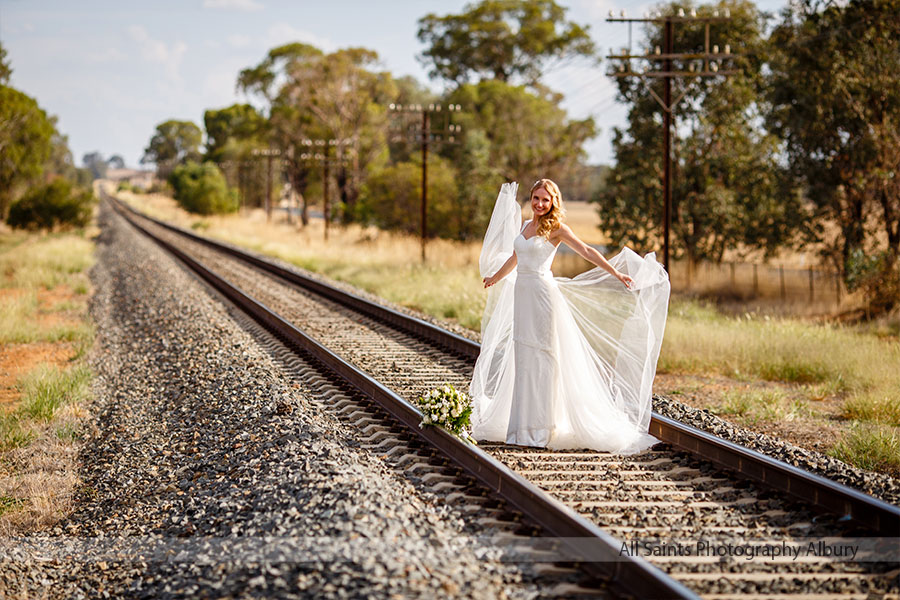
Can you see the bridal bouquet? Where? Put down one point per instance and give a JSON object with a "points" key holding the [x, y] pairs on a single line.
{"points": [[449, 408]]}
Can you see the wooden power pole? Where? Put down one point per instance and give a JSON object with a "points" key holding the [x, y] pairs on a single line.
{"points": [[667, 65], [425, 134]]}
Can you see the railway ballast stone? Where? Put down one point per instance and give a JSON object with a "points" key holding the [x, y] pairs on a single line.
{"points": [[206, 473]]}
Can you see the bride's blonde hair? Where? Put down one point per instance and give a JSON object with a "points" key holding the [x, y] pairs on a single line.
{"points": [[554, 217]]}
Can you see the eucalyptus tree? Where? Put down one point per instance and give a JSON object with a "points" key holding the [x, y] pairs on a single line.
{"points": [[26, 143], [506, 40], [5, 69], [311, 95], [174, 143], [530, 136], [232, 134], [836, 103]]}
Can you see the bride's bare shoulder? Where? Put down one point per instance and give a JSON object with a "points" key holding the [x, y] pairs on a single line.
{"points": [[562, 232]]}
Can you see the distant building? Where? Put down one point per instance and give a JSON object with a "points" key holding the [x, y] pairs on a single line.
{"points": [[135, 177]]}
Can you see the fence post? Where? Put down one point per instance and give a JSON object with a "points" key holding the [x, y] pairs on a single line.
{"points": [[732, 274], [755, 281], [812, 291], [781, 277]]}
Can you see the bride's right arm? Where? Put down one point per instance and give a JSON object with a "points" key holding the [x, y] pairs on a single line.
{"points": [[505, 270]]}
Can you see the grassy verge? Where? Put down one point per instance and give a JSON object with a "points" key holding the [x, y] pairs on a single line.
{"points": [[814, 364], [825, 360], [857, 369], [45, 332]]}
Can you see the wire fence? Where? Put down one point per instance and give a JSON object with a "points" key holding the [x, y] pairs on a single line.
{"points": [[810, 290]]}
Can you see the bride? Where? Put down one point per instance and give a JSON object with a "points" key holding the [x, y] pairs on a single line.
{"points": [[564, 363]]}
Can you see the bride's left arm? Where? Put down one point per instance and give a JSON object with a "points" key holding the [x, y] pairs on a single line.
{"points": [[571, 240]]}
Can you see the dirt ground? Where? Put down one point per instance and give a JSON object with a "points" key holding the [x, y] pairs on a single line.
{"points": [[18, 359], [818, 430]]}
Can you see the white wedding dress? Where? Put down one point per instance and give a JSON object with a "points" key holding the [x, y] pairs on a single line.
{"points": [[565, 363]]}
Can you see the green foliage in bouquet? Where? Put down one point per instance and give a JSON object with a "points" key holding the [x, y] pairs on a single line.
{"points": [[449, 408]]}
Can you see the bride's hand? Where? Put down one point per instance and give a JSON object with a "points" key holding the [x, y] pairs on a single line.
{"points": [[489, 281], [628, 281]]}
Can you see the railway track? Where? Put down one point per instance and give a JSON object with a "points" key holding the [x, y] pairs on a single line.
{"points": [[693, 488]]}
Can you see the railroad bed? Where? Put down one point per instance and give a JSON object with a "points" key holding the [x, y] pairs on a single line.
{"points": [[208, 472], [665, 492]]}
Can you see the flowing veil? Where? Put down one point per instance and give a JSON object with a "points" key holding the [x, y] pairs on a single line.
{"points": [[612, 337]]}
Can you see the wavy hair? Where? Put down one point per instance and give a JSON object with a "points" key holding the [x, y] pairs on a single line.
{"points": [[551, 221]]}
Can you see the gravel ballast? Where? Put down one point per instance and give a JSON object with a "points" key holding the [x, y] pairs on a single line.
{"points": [[194, 463]]}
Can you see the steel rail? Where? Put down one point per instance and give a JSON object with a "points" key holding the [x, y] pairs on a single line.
{"points": [[824, 494], [603, 557]]}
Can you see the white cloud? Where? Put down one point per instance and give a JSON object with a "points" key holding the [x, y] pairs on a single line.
{"points": [[249, 5], [239, 40], [283, 33], [106, 55], [157, 51]]}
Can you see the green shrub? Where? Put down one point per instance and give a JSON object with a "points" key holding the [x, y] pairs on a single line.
{"points": [[392, 199], [202, 189], [878, 276], [52, 205]]}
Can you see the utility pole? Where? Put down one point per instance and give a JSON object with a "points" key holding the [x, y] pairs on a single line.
{"points": [[322, 157], [269, 153], [708, 61], [426, 136]]}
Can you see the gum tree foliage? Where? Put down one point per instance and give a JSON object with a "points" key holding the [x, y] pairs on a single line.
{"points": [[60, 162], [836, 103], [95, 163], [391, 197], [202, 189], [409, 91], [510, 132], [313, 95], [505, 40], [728, 191], [31, 150], [52, 205], [174, 143], [232, 133], [530, 136], [26, 143], [5, 69]]}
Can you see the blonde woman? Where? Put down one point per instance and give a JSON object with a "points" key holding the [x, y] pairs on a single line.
{"points": [[564, 363]]}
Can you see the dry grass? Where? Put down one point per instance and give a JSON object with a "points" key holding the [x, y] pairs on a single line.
{"points": [[824, 360], [762, 405], [44, 287], [43, 296], [831, 359]]}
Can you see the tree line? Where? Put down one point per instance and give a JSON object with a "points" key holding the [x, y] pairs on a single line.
{"points": [[800, 148], [512, 126], [40, 186]]}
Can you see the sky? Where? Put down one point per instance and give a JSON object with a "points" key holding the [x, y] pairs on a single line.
{"points": [[112, 70]]}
